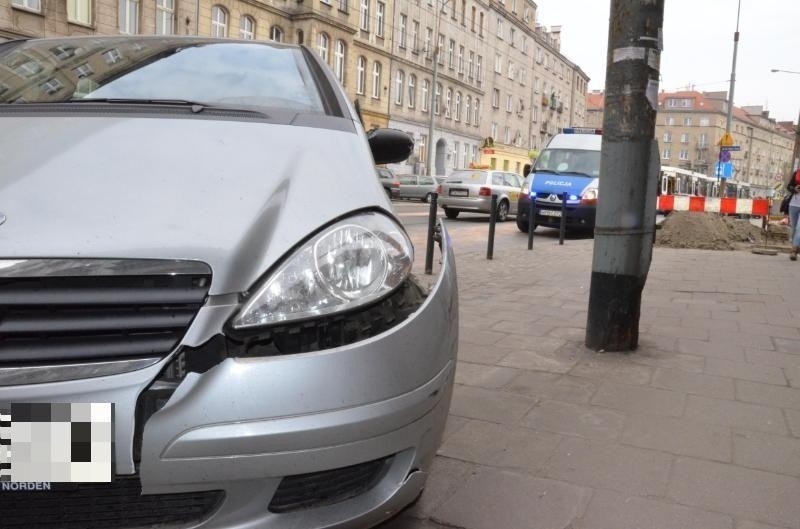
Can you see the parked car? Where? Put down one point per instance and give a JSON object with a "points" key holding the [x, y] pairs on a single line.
{"points": [[417, 187], [194, 251], [390, 183], [472, 189], [569, 165]]}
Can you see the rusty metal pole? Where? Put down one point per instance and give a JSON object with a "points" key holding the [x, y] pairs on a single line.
{"points": [[626, 208]]}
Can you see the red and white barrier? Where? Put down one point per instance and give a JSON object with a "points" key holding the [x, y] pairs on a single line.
{"points": [[731, 206]]}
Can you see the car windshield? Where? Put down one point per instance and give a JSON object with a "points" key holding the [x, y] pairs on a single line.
{"points": [[569, 161], [467, 176], [213, 73]]}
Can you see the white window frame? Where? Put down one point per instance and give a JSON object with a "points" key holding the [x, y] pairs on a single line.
{"points": [[460, 59], [425, 94], [323, 45], [412, 90], [129, 25], [380, 17], [361, 75], [219, 21], [276, 33], [377, 70], [339, 60], [448, 100], [247, 28], [80, 11], [401, 31], [399, 87], [32, 5], [363, 22], [457, 106], [476, 112]]}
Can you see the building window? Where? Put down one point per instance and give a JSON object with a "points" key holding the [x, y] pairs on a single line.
{"points": [[479, 70], [457, 109], [428, 39], [276, 34], [300, 36], [51, 86], [466, 155], [687, 122], [525, 46], [361, 75], [425, 89], [476, 115], [495, 98], [461, 59], [684, 138], [494, 130], [510, 70], [509, 103], [534, 113], [437, 98], [704, 122], [343, 6], [471, 64], [376, 80], [423, 141], [364, 15], [665, 155], [247, 28], [507, 135], [80, 11], [380, 16], [702, 140], [512, 34], [34, 5], [499, 27], [401, 37], [322, 46], [84, 70], [129, 16], [448, 98], [667, 137], [456, 153], [412, 90], [474, 12], [399, 87], [669, 120], [415, 36], [498, 63], [451, 53], [480, 25], [112, 56], [219, 21], [523, 76], [339, 56], [467, 109], [684, 154]]}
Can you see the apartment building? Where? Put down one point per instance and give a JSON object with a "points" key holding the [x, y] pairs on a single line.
{"points": [[595, 101], [691, 124]]}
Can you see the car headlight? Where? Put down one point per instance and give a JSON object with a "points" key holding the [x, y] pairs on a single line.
{"points": [[589, 195], [351, 263]]}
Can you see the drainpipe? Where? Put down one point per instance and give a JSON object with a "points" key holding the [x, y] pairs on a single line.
{"points": [[197, 18]]}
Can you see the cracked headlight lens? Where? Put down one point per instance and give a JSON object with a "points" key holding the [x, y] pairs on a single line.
{"points": [[351, 263]]}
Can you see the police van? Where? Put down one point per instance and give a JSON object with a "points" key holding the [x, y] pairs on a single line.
{"points": [[568, 169]]}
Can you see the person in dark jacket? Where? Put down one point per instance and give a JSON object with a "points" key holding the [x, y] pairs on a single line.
{"points": [[794, 213]]}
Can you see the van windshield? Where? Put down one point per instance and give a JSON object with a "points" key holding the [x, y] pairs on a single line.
{"points": [[125, 69], [569, 161]]}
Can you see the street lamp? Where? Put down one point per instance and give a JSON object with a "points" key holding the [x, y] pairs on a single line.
{"points": [[784, 71], [436, 53]]}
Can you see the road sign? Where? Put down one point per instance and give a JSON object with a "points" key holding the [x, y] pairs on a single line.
{"points": [[723, 170], [731, 148], [724, 156], [727, 140]]}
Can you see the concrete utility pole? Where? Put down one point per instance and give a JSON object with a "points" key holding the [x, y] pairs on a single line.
{"points": [[626, 211], [727, 141], [436, 52]]}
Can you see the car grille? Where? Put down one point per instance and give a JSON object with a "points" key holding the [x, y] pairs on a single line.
{"points": [[95, 313], [118, 504], [306, 491]]}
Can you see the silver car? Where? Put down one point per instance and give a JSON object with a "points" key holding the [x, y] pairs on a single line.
{"points": [[472, 189], [271, 359], [417, 187]]}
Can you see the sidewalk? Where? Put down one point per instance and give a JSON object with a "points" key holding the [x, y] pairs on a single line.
{"points": [[698, 429]]}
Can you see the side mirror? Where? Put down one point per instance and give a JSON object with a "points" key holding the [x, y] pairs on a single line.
{"points": [[526, 170], [390, 145]]}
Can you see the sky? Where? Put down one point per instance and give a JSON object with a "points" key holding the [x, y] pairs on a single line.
{"points": [[698, 47]]}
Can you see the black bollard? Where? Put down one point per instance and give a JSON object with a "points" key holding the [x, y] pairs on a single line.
{"points": [[492, 218], [562, 229], [531, 218], [431, 228]]}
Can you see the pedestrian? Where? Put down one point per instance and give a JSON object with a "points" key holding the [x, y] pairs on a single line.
{"points": [[793, 187]]}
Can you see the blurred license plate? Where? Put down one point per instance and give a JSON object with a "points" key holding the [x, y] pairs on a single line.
{"points": [[459, 192], [550, 212]]}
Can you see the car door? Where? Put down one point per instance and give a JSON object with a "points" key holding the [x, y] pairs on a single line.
{"points": [[512, 185]]}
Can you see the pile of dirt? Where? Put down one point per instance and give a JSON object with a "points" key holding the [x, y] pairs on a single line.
{"points": [[710, 231]]}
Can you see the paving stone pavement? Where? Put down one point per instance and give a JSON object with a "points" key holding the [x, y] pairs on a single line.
{"points": [[698, 429]]}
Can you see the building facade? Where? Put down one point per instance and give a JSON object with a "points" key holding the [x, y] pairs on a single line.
{"points": [[503, 88], [690, 125]]}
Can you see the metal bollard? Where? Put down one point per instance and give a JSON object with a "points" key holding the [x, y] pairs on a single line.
{"points": [[531, 218], [431, 228], [492, 217], [562, 229]]}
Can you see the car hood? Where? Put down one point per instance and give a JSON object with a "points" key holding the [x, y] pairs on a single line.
{"points": [[550, 183], [237, 195]]}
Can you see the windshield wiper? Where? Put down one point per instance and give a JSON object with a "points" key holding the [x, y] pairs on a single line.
{"points": [[553, 171], [196, 105], [578, 173]]}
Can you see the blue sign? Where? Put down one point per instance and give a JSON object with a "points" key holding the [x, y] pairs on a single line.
{"points": [[723, 170]]}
